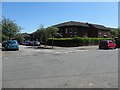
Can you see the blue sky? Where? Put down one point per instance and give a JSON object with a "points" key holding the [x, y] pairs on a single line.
{"points": [[30, 15]]}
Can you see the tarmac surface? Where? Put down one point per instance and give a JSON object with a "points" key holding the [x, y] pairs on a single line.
{"points": [[60, 67]]}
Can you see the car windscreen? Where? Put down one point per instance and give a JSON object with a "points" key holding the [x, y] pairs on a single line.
{"points": [[12, 42], [110, 42], [104, 43]]}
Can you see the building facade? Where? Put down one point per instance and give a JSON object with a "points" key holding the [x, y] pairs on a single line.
{"points": [[80, 29]]}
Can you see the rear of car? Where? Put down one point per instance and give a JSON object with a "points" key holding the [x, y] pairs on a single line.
{"points": [[28, 43], [11, 45], [107, 44], [36, 43]]}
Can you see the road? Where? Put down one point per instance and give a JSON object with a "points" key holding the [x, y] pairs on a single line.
{"points": [[78, 67]]}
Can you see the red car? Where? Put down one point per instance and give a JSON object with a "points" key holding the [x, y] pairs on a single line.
{"points": [[107, 44]]}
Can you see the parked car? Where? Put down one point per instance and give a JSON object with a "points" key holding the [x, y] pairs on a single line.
{"points": [[28, 43], [36, 43], [32, 43], [3, 44], [118, 43], [107, 44], [10, 45]]}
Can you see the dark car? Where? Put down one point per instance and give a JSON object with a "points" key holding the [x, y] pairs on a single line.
{"points": [[118, 43], [107, 44], [3, 44], [10, 45]]}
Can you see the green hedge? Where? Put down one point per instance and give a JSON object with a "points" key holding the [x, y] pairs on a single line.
{"points": [[76, 41]]}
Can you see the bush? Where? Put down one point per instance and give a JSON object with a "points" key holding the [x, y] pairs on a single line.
{"points": [[76, 41]]}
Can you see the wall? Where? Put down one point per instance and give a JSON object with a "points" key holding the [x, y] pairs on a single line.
{"points": [[72, 31], [101, 33]]}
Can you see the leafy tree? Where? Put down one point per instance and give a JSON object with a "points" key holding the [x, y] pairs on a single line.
{"points": [[113, 32], [9, 28], [46, 33], [19, 38], [52, 32], [119, 33], [42, 32]]}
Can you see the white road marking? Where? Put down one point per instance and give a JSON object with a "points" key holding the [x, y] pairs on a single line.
{"points": [[90, 84]]}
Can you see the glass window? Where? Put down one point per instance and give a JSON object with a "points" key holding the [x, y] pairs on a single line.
{"points": [[66, 30], [70, 31], [75, 31]]}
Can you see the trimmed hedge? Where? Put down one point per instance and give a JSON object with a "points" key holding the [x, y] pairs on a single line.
{"points": [[76, 41]]}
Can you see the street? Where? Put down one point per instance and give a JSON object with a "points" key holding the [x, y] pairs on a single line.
{"points": [[60, 67]]}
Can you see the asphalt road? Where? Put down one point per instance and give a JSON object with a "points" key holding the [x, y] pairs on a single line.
{"points": [[78, 67]]}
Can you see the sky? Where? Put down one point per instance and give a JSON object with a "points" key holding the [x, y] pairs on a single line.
{"points": [[30, 15]]}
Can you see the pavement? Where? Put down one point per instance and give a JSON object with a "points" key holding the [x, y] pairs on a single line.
{"points": [[60, 67]]}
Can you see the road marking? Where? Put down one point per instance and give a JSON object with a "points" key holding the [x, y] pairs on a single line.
{"points": [[90, 84]]}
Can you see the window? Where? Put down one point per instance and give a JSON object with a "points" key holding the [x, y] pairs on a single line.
{"points": [[70, 31], [60, 32], [75, 31], [66, 30]]}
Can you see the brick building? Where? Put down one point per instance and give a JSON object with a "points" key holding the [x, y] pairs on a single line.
{"points": [[72, 29]]}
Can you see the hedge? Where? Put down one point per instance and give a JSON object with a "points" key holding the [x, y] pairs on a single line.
{"points": [[76, 41]]}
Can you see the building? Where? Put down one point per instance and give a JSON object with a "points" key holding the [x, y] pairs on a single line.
{"points": [[80, 29]]}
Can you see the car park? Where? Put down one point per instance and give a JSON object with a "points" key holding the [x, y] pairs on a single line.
{"points": [[10, 45], [107, 44]]}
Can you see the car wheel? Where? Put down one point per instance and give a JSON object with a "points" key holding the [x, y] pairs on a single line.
{"points": [[17, 49], [3, 49], [100, 48]]}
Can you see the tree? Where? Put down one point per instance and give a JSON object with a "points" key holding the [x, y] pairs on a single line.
{"points": [[49, 32], [119, 33], [9, 28], [43, 34], [113, 32], [52, 32], [19, 37]]}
